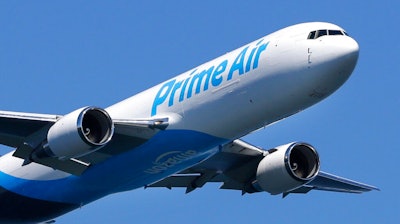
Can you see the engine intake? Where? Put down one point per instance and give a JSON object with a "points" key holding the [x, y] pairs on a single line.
{"points": [[288, 167], [78, 133]]}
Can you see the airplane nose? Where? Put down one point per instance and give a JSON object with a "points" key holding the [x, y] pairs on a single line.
{"points": [[348, 56], [345, 53], [339, 56], [332, 62], [353, 47], [350, 50]]}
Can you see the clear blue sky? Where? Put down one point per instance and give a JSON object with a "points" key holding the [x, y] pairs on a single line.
{"points": [[56, 57]]}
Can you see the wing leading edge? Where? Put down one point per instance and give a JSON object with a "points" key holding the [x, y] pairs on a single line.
{"points": [[235, 166]]}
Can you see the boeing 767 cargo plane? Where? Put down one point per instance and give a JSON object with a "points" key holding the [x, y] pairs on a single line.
{"points": [[184, 132]]}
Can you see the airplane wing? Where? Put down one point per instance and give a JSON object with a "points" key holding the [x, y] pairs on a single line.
{"points": [[235, 166], [24, 130], [15, 127]]}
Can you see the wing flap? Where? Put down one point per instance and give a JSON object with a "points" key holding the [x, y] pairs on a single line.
{"points": [[234, 166], [183, 180], [72, 166]]}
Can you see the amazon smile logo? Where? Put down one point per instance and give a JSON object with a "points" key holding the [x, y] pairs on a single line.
{"points": [[168, 160]]}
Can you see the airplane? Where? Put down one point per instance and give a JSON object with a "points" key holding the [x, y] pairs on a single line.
{"points": [[184, 132]]}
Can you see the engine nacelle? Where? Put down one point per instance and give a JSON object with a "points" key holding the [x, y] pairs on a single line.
{"points": [[287, 168], [79, 133]]}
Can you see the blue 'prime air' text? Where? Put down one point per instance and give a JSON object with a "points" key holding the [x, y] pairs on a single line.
{"points": [[214, 76]]}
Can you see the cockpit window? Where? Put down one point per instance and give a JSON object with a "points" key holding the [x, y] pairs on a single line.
{"points": [[319, 33], [311, 35], [335, 32]]}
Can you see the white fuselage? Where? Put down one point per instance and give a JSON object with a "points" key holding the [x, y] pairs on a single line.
{"points": [[260, 83], [250, 87]]}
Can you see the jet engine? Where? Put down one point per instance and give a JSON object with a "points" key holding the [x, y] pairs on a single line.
{"points": [[287, 167], [79, 133]]}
